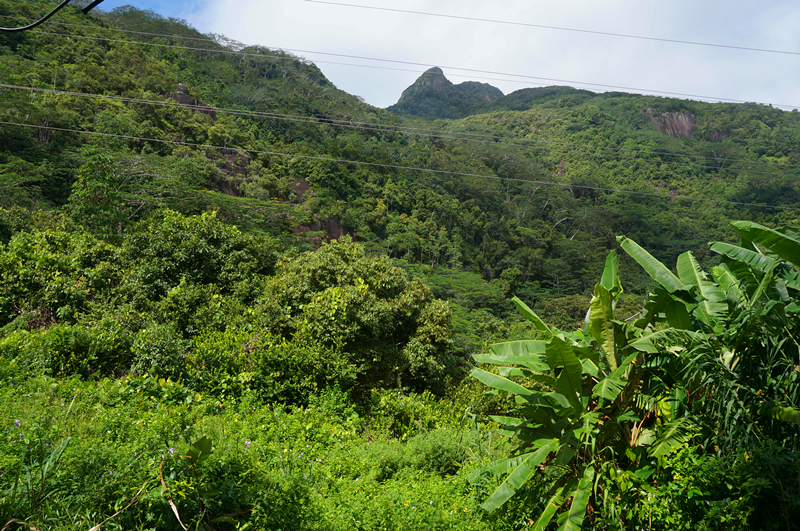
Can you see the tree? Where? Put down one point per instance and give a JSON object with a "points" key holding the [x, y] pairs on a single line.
{"points": [[385, 323]]}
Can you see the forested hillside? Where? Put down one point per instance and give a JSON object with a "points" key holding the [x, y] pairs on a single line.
{"points": [[202, 240]]}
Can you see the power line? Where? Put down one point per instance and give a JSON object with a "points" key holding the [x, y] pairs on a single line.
{"points": [[411, 168], [438, 134], [243, 45], [44, 18], [542, 26], [55, 10], [429, 133], [411, 63]]}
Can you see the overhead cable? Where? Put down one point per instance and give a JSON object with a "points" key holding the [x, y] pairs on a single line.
{"points": [[542, 26], [44, 18], [411, 63], [434, 133], [671, 197], [55, 10]]}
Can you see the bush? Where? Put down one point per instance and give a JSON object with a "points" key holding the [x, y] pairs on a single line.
{"points": [[227, 363], [69, 349], [370, 311], [159, 350]]}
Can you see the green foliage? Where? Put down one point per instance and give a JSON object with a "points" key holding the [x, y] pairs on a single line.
{"points": [[747, 311], [65, 349], [387, 325], [171, 248], [230, 362], [54, 273], [591, 405], [159, 351]]}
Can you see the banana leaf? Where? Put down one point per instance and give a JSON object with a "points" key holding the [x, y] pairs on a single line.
{"points": [[524, 470]]}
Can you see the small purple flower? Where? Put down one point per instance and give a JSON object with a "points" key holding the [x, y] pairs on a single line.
{"points": [[356, 479], [172, 450], [62, 404], [17, 423], [247, 443], [134, 453]]}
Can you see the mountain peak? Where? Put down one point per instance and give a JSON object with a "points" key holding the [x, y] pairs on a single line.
{"points": [[432, 96]]}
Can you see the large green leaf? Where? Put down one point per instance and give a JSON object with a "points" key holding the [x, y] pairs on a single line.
{"points": [[580, 499], [568, 383], [500, 467], [644, 342], [519, 348], [611, 386], [734, 292], [767, 281], [653, 267], [529, 354], [712, 305], [522, 473], [672, 437], [610, 278], [503, 384], [530, 315], [784, 414], [199, 450], [678, 315], [553, 504], [779, 243], [608, 388], [533, 362], [601, 324], [757, 261]]}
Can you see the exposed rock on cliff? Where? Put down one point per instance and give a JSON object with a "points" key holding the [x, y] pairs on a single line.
{"points": [[182, 97], [679, 124]]}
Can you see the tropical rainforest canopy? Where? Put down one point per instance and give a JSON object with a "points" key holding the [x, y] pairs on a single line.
{"points": [[233, 296]]}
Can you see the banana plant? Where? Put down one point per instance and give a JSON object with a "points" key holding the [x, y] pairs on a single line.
{"points": [[748, 312], [590, 403]]}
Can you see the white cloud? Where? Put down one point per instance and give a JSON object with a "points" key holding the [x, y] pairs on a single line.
{"points": [[671, 67]]}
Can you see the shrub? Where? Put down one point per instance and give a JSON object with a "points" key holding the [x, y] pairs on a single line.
{"points": [[159, 350], [226, 363], [64, 349]]}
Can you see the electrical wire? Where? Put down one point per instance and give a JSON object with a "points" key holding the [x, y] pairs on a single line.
{"points": [[410, 168], [411, 63], [44, 18], [542, 26], [432, 133]]}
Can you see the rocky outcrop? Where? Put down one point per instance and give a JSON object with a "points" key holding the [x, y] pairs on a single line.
{"points": [[677, 124], [332, 226], [182, 97]]}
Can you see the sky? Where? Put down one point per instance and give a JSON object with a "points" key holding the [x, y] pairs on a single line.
{"points": [[311, 29]]}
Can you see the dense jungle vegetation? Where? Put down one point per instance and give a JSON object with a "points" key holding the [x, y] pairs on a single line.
{"points": [[233, 296]]}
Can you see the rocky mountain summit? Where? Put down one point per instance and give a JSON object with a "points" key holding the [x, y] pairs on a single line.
{"points": [[434, 96]]}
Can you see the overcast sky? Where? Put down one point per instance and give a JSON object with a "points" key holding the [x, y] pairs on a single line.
{"points": [[643, 66]]}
